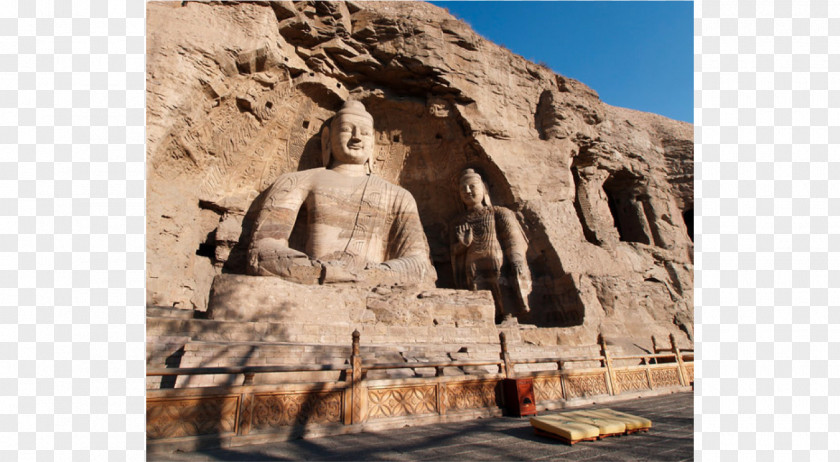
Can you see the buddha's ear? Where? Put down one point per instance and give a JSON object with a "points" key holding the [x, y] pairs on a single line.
{"points": [[325, 146]]}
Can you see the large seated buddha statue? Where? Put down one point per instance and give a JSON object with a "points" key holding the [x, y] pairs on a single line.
{"points": [[359, 226]]}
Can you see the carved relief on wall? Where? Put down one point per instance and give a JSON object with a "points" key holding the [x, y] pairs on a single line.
{"points": [[172, 418], [548, 388], [586, 385], [669, 377], [286, 409], [470, 395], [689, 368], [244, 155], [393, 402], [389, 156], [632, 380]]}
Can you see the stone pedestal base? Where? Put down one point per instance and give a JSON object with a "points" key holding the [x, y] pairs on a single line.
{"points": [[328, 314]]}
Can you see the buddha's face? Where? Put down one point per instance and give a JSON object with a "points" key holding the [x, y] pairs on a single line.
{"points": [[351, 139], [472, 191]]}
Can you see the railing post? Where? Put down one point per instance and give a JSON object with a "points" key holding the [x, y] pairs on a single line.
{"points": [[676, 350], [246, 405], [648, 374], [562, 377], [505, 356], [357, 397], [612, 386], [440, 388]]}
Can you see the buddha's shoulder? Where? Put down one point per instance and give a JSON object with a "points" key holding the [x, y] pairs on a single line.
{"points": [[308, 173], [294, 180], [301, 175]]}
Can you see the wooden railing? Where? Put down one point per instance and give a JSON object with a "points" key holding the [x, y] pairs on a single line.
{"points": [[249, 413]]}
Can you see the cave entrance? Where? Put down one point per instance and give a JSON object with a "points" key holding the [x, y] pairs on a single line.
{"points": [[688, 219], [628, 208]]}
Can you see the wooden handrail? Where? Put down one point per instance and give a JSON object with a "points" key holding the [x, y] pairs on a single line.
{"points": [[242, 370], [328, 367], [658, 355], [419, 365], [307, 368], [558, 359]]}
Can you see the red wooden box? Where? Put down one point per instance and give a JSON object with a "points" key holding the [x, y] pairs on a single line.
{"points": [[519, 396]]}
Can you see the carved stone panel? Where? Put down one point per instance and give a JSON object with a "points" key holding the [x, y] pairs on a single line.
{"points": [[402, 401], [470, 395], [689, 368], [632, 380], [586, 385], [548, 388], [286, 409], [172, 418], [669, 377]]}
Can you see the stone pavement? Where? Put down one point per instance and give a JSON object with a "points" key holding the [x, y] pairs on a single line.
{"points": [[505, 438]]}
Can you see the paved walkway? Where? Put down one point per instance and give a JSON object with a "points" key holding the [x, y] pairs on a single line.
{"points": [[504, 438]]}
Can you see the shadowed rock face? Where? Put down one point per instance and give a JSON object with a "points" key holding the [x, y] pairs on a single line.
{"points": [[238, 94]]}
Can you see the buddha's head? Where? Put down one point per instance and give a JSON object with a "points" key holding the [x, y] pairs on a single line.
{"points": [[349, 139], [472, 189]]}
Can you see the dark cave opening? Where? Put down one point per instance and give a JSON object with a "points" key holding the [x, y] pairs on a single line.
{"points": [[688, 219], [626, 208]]}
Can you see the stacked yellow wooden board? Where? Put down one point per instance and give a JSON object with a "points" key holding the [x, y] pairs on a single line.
{"points": [[588, 425]]}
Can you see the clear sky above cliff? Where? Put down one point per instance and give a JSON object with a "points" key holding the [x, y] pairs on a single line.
{"points": [[637, 55]]}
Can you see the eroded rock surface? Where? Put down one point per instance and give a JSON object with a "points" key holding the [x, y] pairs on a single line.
{"points": [[238, 93]]}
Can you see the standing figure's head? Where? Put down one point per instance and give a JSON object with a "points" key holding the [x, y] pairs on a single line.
{"points": [[349, 139], [472, 189]]}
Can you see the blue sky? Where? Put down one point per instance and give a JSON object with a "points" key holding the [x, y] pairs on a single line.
{"points": [[637, 55]]}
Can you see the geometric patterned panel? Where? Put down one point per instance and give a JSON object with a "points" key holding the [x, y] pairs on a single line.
{"points": [[548, 388], [689, 368], [586, 385], [632, 380], [393, 402], [171, 418], [471, 395], [272, 410], [669, 377]]}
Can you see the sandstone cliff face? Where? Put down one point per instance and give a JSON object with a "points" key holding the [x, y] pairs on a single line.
{"points": [[238, 92]]}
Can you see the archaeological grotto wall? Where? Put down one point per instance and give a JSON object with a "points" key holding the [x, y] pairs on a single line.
{"points": [[237, 94]]}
